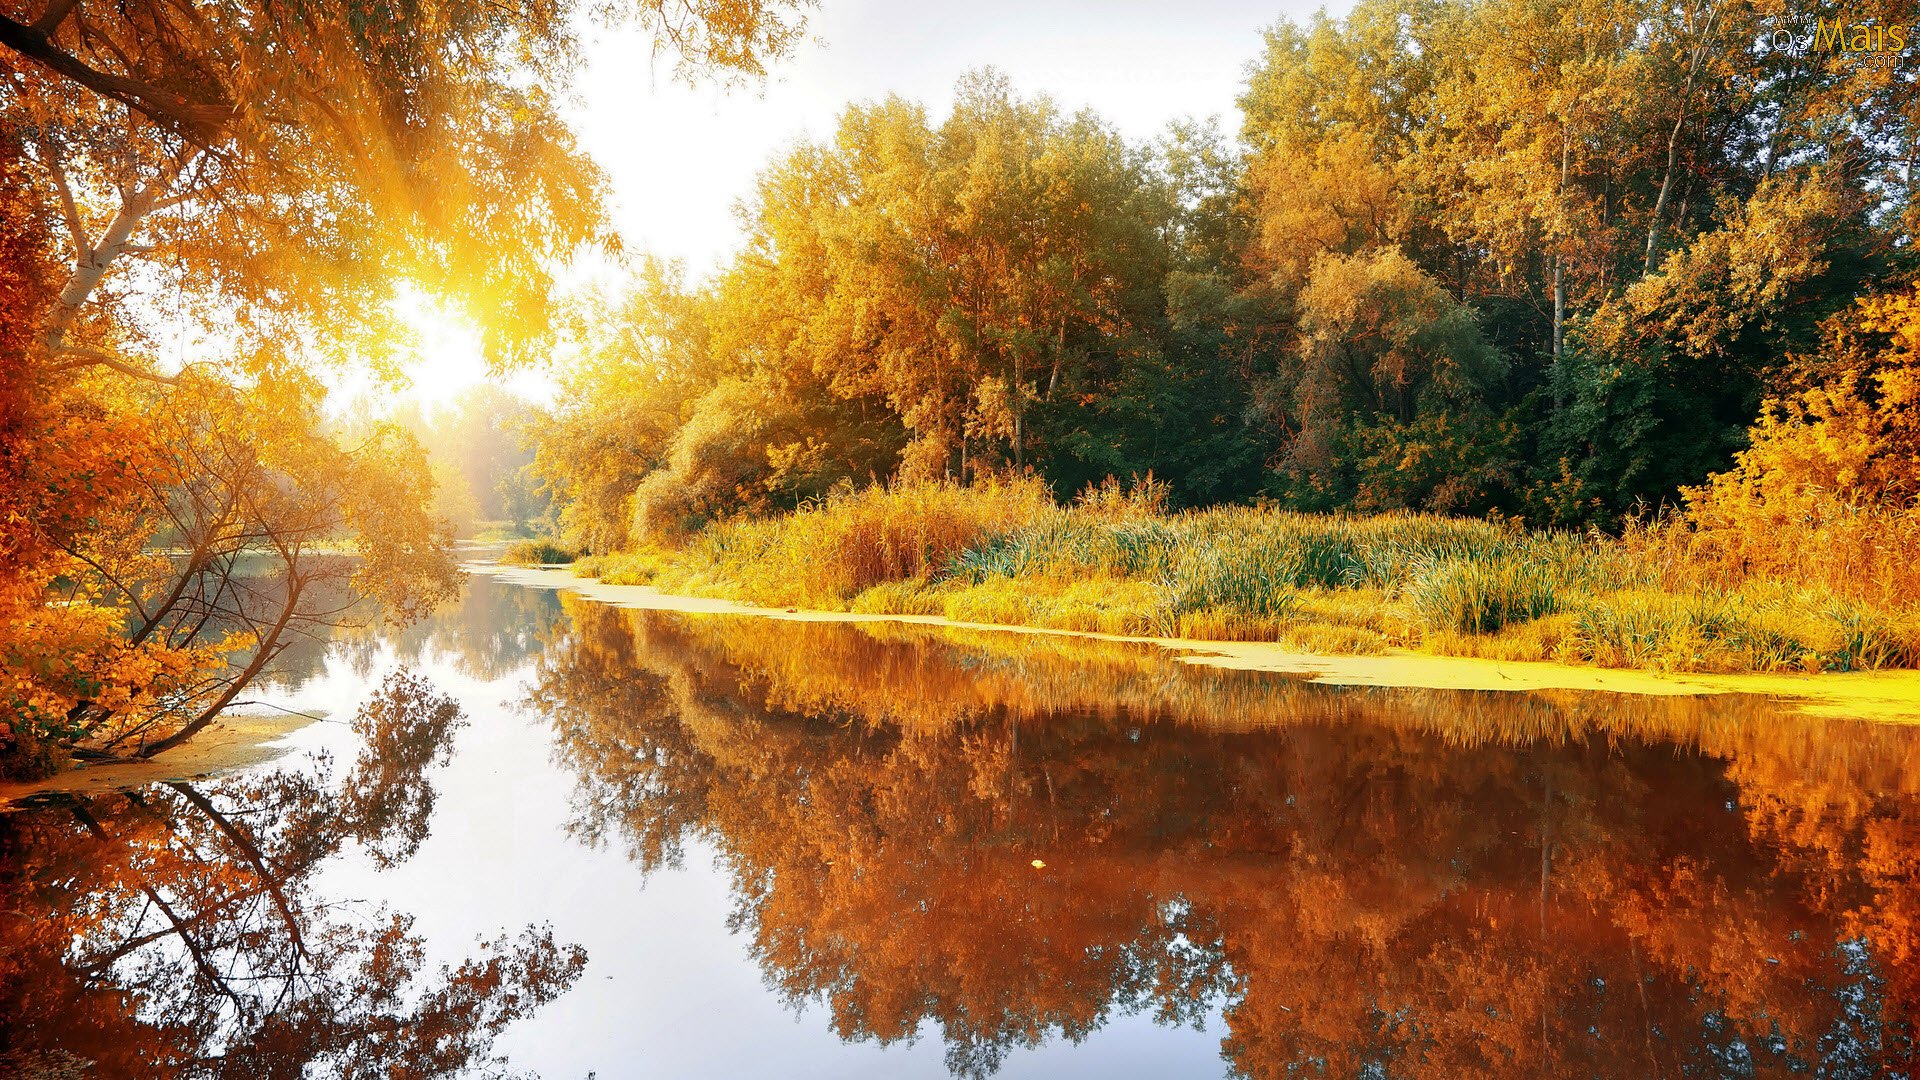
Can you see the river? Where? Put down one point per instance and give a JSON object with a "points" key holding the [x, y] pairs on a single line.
{"points": [[543, 834]]}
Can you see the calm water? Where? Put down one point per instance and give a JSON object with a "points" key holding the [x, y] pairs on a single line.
{"points": [[588, 840]]}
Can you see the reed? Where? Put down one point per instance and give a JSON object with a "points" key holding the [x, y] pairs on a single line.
{"points": [[538, 552], [1115, 561]]}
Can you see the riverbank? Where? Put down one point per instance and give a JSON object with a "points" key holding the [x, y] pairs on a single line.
{"points": [[233, 742], [1117, 563], [1889, 696]]}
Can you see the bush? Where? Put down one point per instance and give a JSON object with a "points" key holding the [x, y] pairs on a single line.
{"points": [[539, 552], [832, 549]]}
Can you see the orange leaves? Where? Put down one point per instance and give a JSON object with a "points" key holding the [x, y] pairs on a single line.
{"points": [[1834, 469], [166, 543]]}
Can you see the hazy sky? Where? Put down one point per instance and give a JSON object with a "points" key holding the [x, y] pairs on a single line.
{"points": [[680, 158]]}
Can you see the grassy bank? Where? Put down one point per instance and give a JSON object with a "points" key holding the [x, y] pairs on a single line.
{"points": [[1117, 563]]}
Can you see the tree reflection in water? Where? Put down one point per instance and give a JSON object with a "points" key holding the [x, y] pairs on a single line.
{"points": [[1366, 882], [486, 632], [172, 932]]}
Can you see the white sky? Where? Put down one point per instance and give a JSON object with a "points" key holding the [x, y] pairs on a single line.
{"points": [[680, 158]]}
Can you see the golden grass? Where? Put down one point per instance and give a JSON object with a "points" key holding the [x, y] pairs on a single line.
{"points": [[1115, 562], [828, 552], [538, 552]]}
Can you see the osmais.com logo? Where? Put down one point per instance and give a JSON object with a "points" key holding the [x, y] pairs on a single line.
{"points": [[1866, 41]]}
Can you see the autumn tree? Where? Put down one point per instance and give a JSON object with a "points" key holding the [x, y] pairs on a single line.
{"points": [[1662, 379], [274, 173], [1832, 467], [256, 527], [286, 165]]}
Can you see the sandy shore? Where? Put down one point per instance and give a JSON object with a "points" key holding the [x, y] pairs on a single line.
{"points": [[1892, 696]]}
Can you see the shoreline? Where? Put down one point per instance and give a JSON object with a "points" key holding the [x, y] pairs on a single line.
{"points": [[1882, 696], [227, 745]]}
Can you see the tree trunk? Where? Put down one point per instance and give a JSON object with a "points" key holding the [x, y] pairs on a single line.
{"points": [[91, 266], [261, 658], [1059, 355], [1673, 140], [1559, 267], [1018, 404]]}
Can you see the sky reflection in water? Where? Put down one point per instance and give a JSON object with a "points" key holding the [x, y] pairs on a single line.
{"points": [[788, 848]]}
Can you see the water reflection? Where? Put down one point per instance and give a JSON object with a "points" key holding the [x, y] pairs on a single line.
{"points": [[488, 631], [1015, 839], [990, 841], [173, 931]]}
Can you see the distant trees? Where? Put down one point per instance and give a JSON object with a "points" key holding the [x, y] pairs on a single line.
{"points": [[480, 450]]}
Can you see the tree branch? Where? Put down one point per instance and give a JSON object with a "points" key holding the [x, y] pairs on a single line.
{"points": [[200, 123], [91, 357], [56, 13]]}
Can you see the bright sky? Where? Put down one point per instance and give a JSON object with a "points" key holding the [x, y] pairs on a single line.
{"points": [[681, 158]]}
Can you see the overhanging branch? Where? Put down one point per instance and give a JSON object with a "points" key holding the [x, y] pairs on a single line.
{"points": [[201, 123]]}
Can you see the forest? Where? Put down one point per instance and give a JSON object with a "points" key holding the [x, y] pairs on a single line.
{"points": [[1544, 261], [1543, 329], [1633, 282]]}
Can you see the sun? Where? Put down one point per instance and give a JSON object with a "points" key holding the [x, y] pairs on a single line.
{"points": [[441, 353]]}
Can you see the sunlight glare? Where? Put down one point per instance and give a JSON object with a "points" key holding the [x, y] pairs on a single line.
{"points": [[441, 354]]}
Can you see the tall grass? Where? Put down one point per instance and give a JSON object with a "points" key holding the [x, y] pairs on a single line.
{"points": [[1870, 554], [1115, 561], [1480, 596], [537, 552], [831, 550]]}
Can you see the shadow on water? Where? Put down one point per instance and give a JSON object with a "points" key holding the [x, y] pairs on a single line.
{"points": [[1014, 839], [1007, 841]]}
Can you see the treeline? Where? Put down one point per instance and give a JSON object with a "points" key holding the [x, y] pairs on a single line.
{"points": [[1468, 256]]}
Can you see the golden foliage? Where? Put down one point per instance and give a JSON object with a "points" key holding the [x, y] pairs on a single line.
{"points": [[1829, 490]]}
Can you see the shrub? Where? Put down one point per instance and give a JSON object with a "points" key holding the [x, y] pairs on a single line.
{"points": [[833, 548], [538, 552]]}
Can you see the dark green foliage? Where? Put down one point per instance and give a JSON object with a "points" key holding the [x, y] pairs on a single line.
{"points": [[1176, 407]]}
